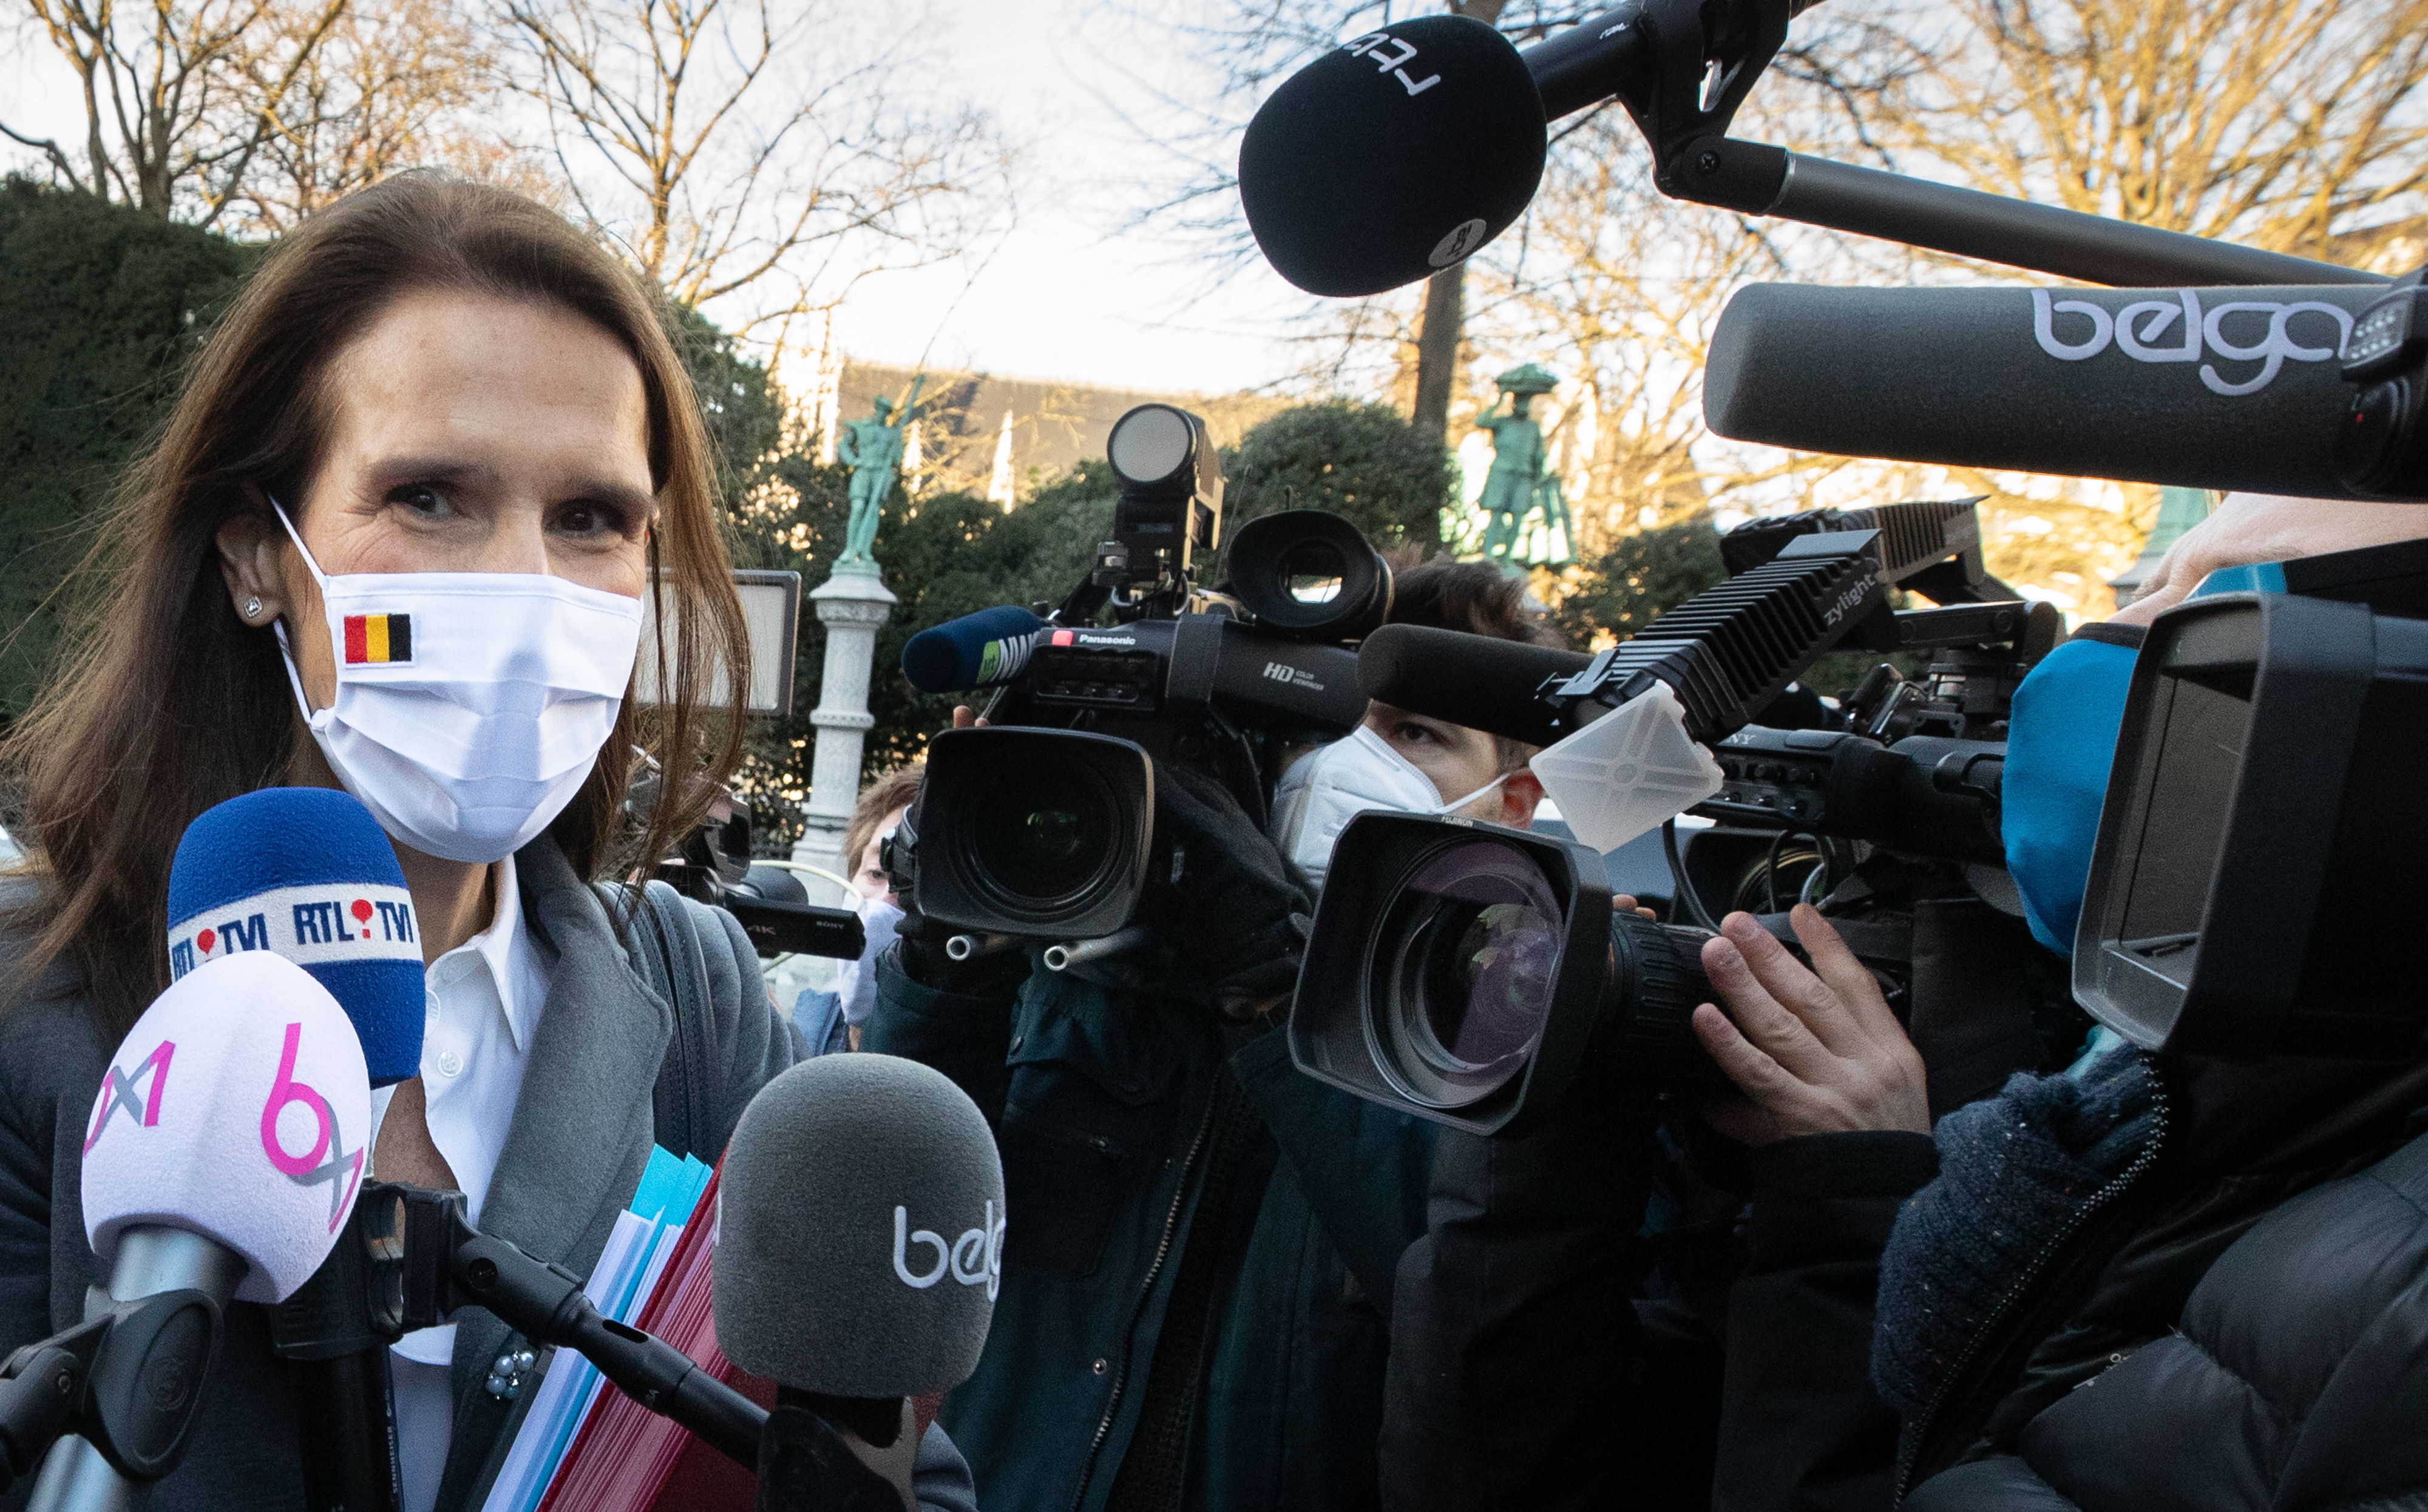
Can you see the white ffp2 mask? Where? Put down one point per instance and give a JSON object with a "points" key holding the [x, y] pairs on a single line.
{"points": [[1332, 784], [471, 706]]}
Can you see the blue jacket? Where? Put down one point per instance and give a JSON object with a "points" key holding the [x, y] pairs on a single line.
{"points": [[1102, 1100]]}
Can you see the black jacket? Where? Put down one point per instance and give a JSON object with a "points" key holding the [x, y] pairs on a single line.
{"points": [[1527, 1372], [2296, 1379], [1108, 1106], [1540, 1357]]}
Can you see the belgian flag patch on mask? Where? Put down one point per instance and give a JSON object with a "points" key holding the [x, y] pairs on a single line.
{"points": [[378, 638]]}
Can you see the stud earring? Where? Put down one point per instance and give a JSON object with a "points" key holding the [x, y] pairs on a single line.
{"points": [[253, 608]]}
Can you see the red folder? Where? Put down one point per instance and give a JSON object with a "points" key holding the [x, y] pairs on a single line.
{"points": [[626, 1458]]}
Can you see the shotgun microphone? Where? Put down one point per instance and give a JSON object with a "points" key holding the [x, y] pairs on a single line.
{"points": [[2230, 388], [1481, 682]]}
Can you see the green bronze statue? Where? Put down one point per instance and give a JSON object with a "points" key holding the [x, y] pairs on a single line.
{"points": [[1521, 481], [873, 450]]}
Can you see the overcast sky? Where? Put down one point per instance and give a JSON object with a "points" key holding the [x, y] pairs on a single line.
{"points": [[1058, 298]]}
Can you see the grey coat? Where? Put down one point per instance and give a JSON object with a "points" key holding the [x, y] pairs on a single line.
{"points": [[583, 1129]]}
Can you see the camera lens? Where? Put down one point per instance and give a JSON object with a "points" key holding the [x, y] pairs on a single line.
{"points": [[1463, 976], [1040, 836]]}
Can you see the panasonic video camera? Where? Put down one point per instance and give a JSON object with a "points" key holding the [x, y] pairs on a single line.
{"points": [[1040, 824]]}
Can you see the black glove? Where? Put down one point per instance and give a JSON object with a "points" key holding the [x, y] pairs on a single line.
{"points": [[919, 941], [1238, 914]]}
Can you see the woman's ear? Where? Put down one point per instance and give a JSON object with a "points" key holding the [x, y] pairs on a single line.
{"points": [[249, 543]]}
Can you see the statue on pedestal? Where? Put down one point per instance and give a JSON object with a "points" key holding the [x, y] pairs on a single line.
{"points": [[1521, 481], [873, 450]]}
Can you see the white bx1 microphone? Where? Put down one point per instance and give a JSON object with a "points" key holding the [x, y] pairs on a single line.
{"points": [[222, 1159]]}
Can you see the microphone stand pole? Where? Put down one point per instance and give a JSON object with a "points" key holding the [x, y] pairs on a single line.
{"points": [[1682, 67]]}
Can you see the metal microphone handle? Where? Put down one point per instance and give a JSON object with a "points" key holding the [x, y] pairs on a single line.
{"points": [[151, 1259]]}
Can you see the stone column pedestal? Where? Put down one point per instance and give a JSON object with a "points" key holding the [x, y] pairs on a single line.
{"points": [[852, 604]]}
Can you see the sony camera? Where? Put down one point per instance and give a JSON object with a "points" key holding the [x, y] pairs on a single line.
{"points": [[1467, 973], [1040, 824]]}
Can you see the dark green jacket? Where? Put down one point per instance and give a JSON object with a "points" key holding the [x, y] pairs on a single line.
{"points": [[1100, 1098]]}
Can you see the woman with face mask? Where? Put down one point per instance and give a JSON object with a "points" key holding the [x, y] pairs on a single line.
{"points": [[395, 540]]}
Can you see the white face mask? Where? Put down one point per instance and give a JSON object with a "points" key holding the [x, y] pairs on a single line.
{"points": [[856, 984], [1332, 784], [471, 706]]}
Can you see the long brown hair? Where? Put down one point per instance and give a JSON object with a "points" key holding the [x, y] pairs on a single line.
{"points": [[165, 703]]}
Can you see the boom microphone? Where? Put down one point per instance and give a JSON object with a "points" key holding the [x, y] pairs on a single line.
{"points": [[222, 1160], [1481, 682], [974, 651], [859, 1253], [1406, 149], [2229, 388]]}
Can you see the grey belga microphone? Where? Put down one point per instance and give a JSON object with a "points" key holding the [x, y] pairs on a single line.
{"points": [[859, 1253], [2229, 388]]}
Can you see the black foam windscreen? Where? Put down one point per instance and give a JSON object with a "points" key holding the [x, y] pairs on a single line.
{"points": [[2201, 387], [1481, 682], [1393, 156], [860, 1244]]}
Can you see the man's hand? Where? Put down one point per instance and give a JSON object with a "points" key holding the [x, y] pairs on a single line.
{"points": [[2252, 527], [1813, 1054]]}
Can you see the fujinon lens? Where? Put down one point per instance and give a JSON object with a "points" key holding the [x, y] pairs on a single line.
{"points": [[1474, 975], [1464, 974], [1031, 831]]}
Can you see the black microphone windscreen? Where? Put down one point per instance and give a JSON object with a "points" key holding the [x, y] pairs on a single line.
{"points": [[1481, 682], [1392, 156], [2200, 388], [861, 1224]]}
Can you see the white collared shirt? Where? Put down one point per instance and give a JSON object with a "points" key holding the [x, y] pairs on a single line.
{"points": [[485, 998]]}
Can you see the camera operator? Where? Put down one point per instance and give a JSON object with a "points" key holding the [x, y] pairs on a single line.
{"points": [[1916, 1309], [1199, 1262]]}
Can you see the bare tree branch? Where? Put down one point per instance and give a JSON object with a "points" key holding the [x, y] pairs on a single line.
{"points": [[746, 154]]}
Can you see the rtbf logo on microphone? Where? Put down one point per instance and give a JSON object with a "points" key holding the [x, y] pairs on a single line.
{"points": [[312, 926], [922, 1257], [238, 1107]]}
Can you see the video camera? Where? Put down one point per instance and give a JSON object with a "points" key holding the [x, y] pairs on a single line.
{"points": [[1468, 973], [714, 866], [1040, 824]]}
